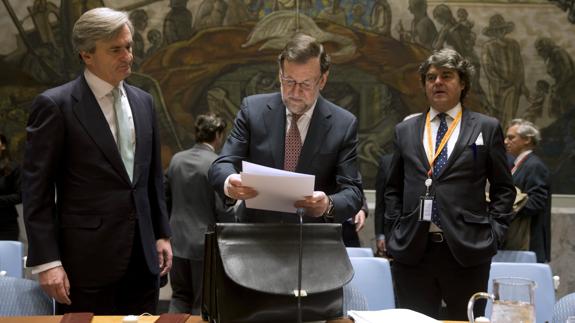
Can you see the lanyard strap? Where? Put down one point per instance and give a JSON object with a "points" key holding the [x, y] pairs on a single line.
{"points": [[443, 142]]}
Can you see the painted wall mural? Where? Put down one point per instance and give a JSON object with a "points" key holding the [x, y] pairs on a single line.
{"points": [[196, 56]]}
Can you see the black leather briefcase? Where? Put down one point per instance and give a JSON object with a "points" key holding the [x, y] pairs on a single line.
{"points": [[251, 273]]}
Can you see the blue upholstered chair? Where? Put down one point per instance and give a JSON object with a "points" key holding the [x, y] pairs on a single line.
{"points": [[540, 274], [372, 279], [353, 299], [359, 252], [11, 258], [23, 297], [514, 256], [564, 308]]}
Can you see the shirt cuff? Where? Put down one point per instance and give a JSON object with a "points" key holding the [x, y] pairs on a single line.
{"points": [[46, 266], [380, 237]]}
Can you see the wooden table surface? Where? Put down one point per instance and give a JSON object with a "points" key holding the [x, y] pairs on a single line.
{"points": [[118, 319]]}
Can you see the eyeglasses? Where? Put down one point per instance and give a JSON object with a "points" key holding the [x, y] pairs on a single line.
{"points": [[305, 85]]}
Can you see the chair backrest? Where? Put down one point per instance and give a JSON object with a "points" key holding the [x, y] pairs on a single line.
{"points": [[353, 300], [564, 308], [514, 256], [540, 274], [372, 278], [359, 252], [23, 297], [11, 253]]}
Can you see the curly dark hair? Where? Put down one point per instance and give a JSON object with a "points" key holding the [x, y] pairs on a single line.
{"points": [[207, 126]]}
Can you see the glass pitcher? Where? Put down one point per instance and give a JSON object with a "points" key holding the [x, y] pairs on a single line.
{"points": [[513, 301]]}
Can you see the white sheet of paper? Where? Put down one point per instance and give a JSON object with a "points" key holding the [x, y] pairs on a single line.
{"points": [[278, 190], [399, 315]]}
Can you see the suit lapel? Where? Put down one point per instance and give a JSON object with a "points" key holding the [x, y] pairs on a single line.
{"points": [[420, 141], [319, 126], [466, 132], [90, 115], [274, 121]]}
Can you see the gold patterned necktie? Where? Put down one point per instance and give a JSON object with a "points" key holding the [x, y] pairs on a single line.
{"points": [[292, 144], [123, 133]]}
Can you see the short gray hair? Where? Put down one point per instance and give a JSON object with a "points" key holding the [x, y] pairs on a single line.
{"points": [[301, 48], [526, 130], [448, 58], [98, 24]]}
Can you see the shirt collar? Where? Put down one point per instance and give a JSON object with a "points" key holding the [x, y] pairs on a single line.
{"points": [[452, 112], [522, 156], [99, 87]]}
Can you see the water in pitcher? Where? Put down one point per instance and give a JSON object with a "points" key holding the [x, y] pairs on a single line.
{"points": [[512, 312]]}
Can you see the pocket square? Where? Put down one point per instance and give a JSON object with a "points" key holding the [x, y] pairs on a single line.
{"points": [[479, 140]]}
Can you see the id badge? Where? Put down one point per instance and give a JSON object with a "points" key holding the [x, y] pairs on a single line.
{"points": [[425, 205]]}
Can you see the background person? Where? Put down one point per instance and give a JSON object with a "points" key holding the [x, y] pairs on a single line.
{"points": [[10, 194], [194, 207], [531, 176]]}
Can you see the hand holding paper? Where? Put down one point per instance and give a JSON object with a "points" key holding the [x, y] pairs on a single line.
{"points": [[277, 190]]}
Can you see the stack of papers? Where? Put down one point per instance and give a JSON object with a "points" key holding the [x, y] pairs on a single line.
{"points": [[399, 315], [278, 190]]}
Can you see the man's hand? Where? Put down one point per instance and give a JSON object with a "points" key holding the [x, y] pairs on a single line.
{"points": [[164, 249], [359, 220], [315, 205], [55, 283], [381, 250], [237, 191]]}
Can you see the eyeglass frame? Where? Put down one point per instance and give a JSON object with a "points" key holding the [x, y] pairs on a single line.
{"points": [[302, 85]]}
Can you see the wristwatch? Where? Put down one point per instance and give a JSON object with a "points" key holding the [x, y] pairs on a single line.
{"points": [[328, 214]]}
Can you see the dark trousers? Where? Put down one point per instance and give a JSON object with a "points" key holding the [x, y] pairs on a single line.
{"points": [[439, 277], [349, 235], [9, 230], [186, 278], [135, 293]]}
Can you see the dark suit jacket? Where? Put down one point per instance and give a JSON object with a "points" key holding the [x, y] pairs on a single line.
{"points": [[472, 227], [70, 152], [532, 178], [193, 204], [380, 184], [329, 152]]}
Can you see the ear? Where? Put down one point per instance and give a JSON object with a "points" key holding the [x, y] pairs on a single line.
{"points": [[86, 57], [323, 80]]}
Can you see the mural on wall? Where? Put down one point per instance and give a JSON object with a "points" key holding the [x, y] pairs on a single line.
{"points": [[196, 56]]}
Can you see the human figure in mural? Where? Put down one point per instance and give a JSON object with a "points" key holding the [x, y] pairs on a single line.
{"points": [[236, 13], [211, 13], [334, 13], [70, 11], [261, 82], [40, 13], [155, 41], [448, 32], [561, 68], [465, 27], [357, 12], [139, 19], [220, 104], [423, 30], [503, 66], [380, 17], [178, 22], [537, 103], [305, 6]]}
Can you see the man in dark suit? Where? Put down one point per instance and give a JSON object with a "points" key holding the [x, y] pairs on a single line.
{"points": [[193, 206], [531, 176], [93, 196], [322, 142], [380, 183], [442, 231]]}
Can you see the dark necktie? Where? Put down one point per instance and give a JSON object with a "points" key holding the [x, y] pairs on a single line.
{"points": [[439, 163], [292, 144]]}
